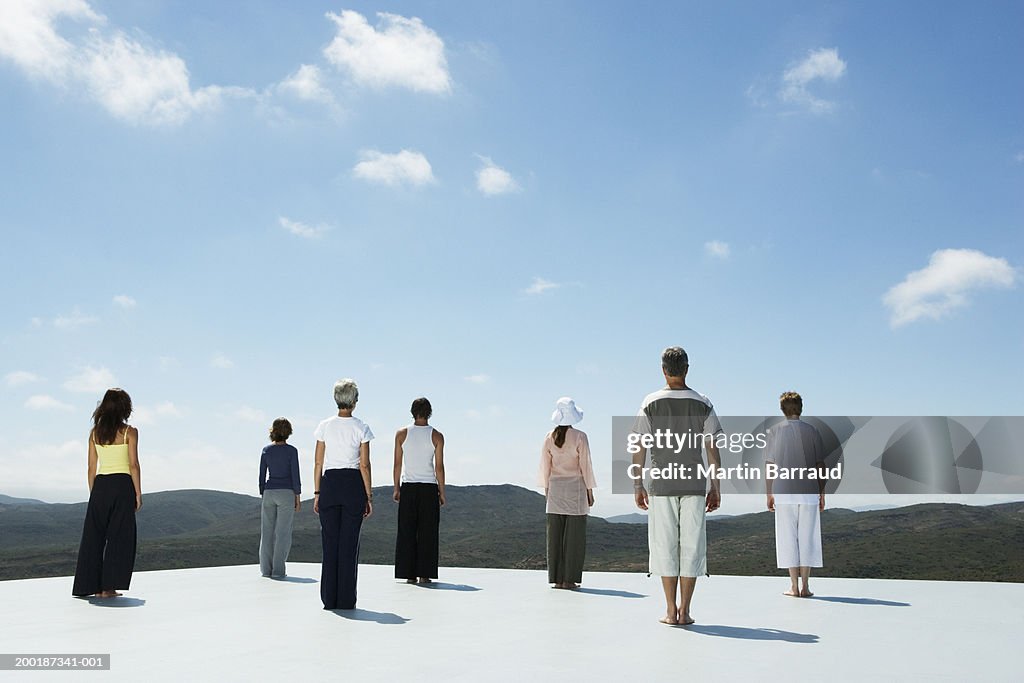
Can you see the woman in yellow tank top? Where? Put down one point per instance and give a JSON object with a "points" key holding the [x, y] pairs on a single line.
{"points": [[106, 556]]}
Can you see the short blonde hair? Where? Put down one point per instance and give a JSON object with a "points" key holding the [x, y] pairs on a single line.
{"points": [[791, 403]]}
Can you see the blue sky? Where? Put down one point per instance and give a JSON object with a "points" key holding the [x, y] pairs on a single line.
{"points": [[224, 207]]}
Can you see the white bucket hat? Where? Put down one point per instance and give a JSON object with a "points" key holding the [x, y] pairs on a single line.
{"points": [[566, 413]]}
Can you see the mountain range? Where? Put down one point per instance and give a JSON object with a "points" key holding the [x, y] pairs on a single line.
{"points": [[503, 526]]}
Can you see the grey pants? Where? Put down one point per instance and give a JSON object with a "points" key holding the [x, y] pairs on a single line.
{"points": [[276, 530], [567, 547]]}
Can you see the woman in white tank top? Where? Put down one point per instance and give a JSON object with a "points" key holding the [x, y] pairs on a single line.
{"points": [[419, 492]]}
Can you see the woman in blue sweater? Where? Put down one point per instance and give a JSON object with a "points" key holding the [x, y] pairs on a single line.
{"points": [[280, 488]]}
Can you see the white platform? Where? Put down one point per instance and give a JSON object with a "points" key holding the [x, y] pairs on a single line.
{"points": [[229, 624]]}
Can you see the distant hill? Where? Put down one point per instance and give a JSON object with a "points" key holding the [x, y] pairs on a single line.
{"points": [[631, 518], [11, 500], [503, 526]]}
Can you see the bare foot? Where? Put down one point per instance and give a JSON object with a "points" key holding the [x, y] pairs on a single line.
{"points": [[108, 594], [806, 593], [793, 593], [684, 618], [669, 619]]}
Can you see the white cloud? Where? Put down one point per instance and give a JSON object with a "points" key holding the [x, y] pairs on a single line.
{"points": [[91, 380], [822, 64], [478, 379], [399, 52], [307, 84], [717, 249], [45, 402], [74, 320], [405, 167], [250, 414], [540, 285], [134, 82], [64, 464], [28, 37], [942, 286], [19, 378], [221, 362], [125, 301], [491, 179], [301, 229], [1019, 158], [151, 415], [143, 85]]}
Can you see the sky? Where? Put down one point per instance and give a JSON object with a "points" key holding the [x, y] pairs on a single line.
{"points": [[225, 207]]}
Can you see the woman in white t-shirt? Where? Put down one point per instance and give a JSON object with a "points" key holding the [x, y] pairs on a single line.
{"points": [[342, 495]]}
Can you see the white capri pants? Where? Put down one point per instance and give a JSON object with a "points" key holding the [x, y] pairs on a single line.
{"points": [[797, 535], [676, 536]]}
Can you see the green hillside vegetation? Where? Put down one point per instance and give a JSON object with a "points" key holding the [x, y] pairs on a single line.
{"points": [[503, 526]]}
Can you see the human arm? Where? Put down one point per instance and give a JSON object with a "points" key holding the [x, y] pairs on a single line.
{"points": [[640, 496], [133, 464], [819, 450], [296, 480], [396, 473], [93, 462], [438, 440], [263, 470], [318, 470], [586, 467], [714, 496], [544, 475], [364, 469]]}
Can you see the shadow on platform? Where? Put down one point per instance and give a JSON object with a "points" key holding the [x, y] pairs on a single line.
{"points": [[609, 592], [441, 586], [117, 602], [294, 579], [751, 633], [859, 601], [369, 615]]}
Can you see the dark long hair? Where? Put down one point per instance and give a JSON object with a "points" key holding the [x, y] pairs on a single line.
{"points": [[559, 435], [110, 416]]}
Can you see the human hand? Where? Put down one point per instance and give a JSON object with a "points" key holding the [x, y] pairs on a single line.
{"points": [[713, 500], [771, 502], [138, 502], [440, 497], [821, 501], [640, 496], [590, 498], [397, 494], [316, 504], [369, 509], [298, 503]]}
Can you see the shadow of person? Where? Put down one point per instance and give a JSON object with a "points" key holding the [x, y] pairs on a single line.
{"points": [[858, 601], [369, 615], [294, 579], [441, 586], [116, 602], [751, 633], [609, 592]]}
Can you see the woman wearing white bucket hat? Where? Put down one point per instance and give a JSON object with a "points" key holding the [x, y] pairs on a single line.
{"points": [[567, 475]]}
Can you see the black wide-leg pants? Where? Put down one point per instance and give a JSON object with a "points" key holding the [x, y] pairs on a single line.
{"points": [[342, 503], [419, 516], [106, 555]]}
